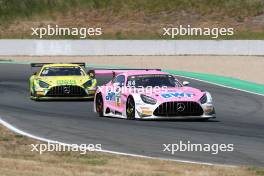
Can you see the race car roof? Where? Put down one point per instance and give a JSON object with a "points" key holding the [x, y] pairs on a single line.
{"points": [[144, 72], [128, 72]]}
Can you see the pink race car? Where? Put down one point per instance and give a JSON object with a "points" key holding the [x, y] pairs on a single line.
{"points": [[150, 94]]}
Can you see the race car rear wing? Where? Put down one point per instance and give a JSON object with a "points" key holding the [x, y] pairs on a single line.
{"points": [[115, 71], [42, 64]]}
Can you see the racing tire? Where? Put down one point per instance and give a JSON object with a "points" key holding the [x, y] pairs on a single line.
{"points": [[99, 105], [130, 108], [33, 96]]}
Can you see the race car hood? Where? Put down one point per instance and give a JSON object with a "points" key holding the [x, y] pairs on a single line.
{"points": [[64, 80], [177, 94]]}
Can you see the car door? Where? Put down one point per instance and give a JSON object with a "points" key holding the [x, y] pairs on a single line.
{"points": [[118, 85]]}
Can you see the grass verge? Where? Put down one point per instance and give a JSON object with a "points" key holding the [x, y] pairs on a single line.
{"points": [[11, 9], [16, 158], [132, 19]]}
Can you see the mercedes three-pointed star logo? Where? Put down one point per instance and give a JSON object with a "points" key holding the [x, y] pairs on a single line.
{"points": [[180, 107], [67, 90]]}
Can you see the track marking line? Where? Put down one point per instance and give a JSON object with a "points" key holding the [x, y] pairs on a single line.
{"points": [[18, 131], [220, 85]]}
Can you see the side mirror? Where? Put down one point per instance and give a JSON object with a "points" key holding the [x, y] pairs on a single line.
{"points": [[35, 73], [185, 83], [91, 73]]}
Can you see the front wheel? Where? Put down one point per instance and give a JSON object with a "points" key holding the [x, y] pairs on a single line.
{"points": [[99, 105], [130, 108], [33, 96]]}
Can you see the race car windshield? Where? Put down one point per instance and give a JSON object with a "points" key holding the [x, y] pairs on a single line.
{"points": [[153, 81], [62, 71]]}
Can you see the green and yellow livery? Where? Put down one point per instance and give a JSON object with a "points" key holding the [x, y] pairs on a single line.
{"points": [[62, 81]]}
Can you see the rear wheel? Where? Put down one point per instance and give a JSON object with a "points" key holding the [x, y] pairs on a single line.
{"points": [[99, 105], [130, 108]]}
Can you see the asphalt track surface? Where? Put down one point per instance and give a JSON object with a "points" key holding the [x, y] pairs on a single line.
{"points": [[240, 121]]}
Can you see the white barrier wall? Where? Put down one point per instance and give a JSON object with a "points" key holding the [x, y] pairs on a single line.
{"points": [[130, 47]]}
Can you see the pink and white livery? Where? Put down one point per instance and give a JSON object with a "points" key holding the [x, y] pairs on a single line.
{"points": [[150, 94]]}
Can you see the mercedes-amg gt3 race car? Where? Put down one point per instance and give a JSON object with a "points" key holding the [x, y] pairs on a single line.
{"points": [[62, 81], [151, 94]]}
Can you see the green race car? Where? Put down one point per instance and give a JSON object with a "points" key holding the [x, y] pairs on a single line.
{"points": [[62, 81]]}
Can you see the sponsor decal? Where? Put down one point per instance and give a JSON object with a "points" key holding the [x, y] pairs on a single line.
{"points": [[177, 95], [146, 111], [110, 96], [40, 93], [118, 101], [66, 82], [114, 96]]}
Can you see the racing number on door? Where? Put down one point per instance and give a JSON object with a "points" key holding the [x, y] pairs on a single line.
{"points": [[119, 82]]}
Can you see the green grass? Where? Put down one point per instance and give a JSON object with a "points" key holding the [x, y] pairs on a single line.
{"points": [[13, 9], [248, 35], [159, 11], [257, 171], [2, 138]]}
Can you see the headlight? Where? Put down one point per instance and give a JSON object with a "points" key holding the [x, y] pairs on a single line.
{"points": [[148, 100], [88, 83], [203, 99], [206, 98], [209, 97], [43, 84]]}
